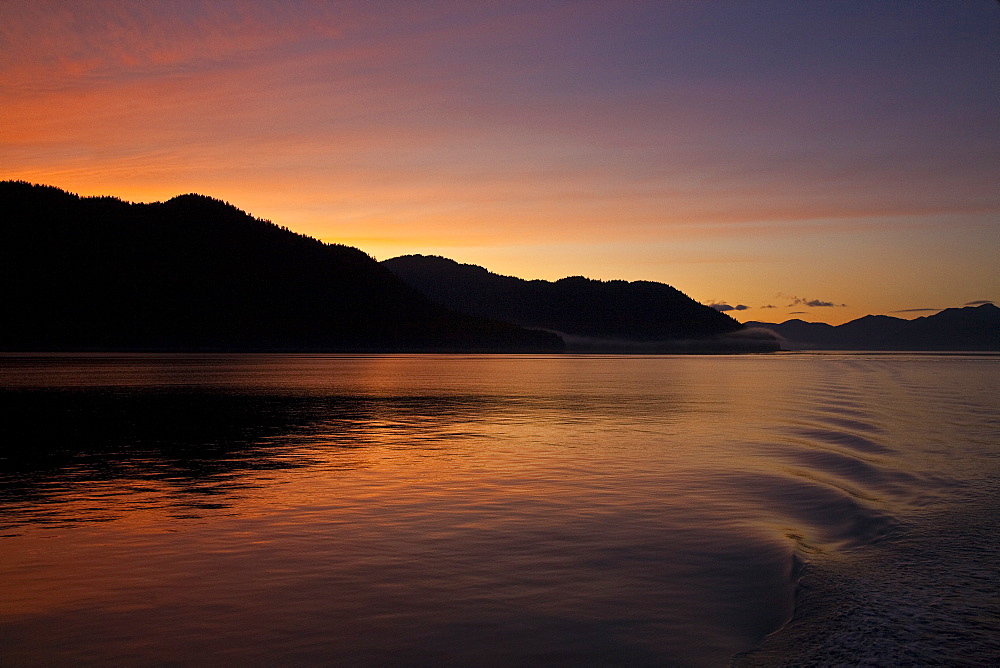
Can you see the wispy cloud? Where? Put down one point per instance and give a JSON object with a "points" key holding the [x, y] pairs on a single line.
{"points": [[802, 301], [914, 310], [500, 127], [979, 302], [726, 307]]}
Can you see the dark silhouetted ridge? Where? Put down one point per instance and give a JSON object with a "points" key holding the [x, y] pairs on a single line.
{"points": [[590, 314], [194, 273]]}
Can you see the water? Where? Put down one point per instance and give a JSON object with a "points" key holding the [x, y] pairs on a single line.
{"points": [[497, 510]]}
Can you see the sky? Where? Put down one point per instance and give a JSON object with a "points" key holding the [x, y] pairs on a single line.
{"points": [[791, 159]]}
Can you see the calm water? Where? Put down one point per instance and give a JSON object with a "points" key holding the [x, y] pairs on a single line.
{"points": [[497, 510]]}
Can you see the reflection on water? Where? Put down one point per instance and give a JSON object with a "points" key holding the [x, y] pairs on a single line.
{"points": [[480, 509]]}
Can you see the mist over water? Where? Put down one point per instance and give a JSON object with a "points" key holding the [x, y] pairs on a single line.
{"points": [[497, 510]]}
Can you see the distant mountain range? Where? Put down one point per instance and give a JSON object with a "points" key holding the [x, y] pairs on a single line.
{"points": [[590, 315], [194, 273], [969, 328]]}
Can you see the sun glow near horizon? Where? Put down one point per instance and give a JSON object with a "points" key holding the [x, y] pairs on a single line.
{"points": [[745, 154]]}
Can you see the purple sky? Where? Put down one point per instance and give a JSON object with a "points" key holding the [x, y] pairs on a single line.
{"points": [[786, 154]]}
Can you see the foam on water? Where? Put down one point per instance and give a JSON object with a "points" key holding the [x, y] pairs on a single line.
{"points": [[926, 598]]}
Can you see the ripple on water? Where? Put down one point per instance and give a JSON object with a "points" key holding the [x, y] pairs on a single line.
{"points": [[929, 595], [505, 511], [872, 478], [833, 515], [845, 439]]}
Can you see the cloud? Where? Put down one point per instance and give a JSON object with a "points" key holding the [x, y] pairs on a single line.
{"points": [[979, 302], [914, 310], [802, 301], [769, 306], [796, 312], [727, 307], [504, 126]]}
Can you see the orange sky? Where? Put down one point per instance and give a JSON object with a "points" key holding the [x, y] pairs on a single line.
{"points": [[763, 154]]}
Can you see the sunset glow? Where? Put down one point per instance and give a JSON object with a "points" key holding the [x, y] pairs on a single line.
{"points": [[811, 159]]}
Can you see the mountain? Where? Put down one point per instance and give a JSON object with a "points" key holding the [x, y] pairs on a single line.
{"points": [[589, 314], [194, 273], [968, 328]]}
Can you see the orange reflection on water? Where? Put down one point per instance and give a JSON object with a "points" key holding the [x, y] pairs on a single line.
{"points": [[350, 507]]}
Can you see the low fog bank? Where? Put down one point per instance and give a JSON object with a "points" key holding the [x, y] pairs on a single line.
{"points": [[750, 340]]}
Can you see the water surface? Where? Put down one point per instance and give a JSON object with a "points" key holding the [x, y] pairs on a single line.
{"points": [[422, 509]]}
